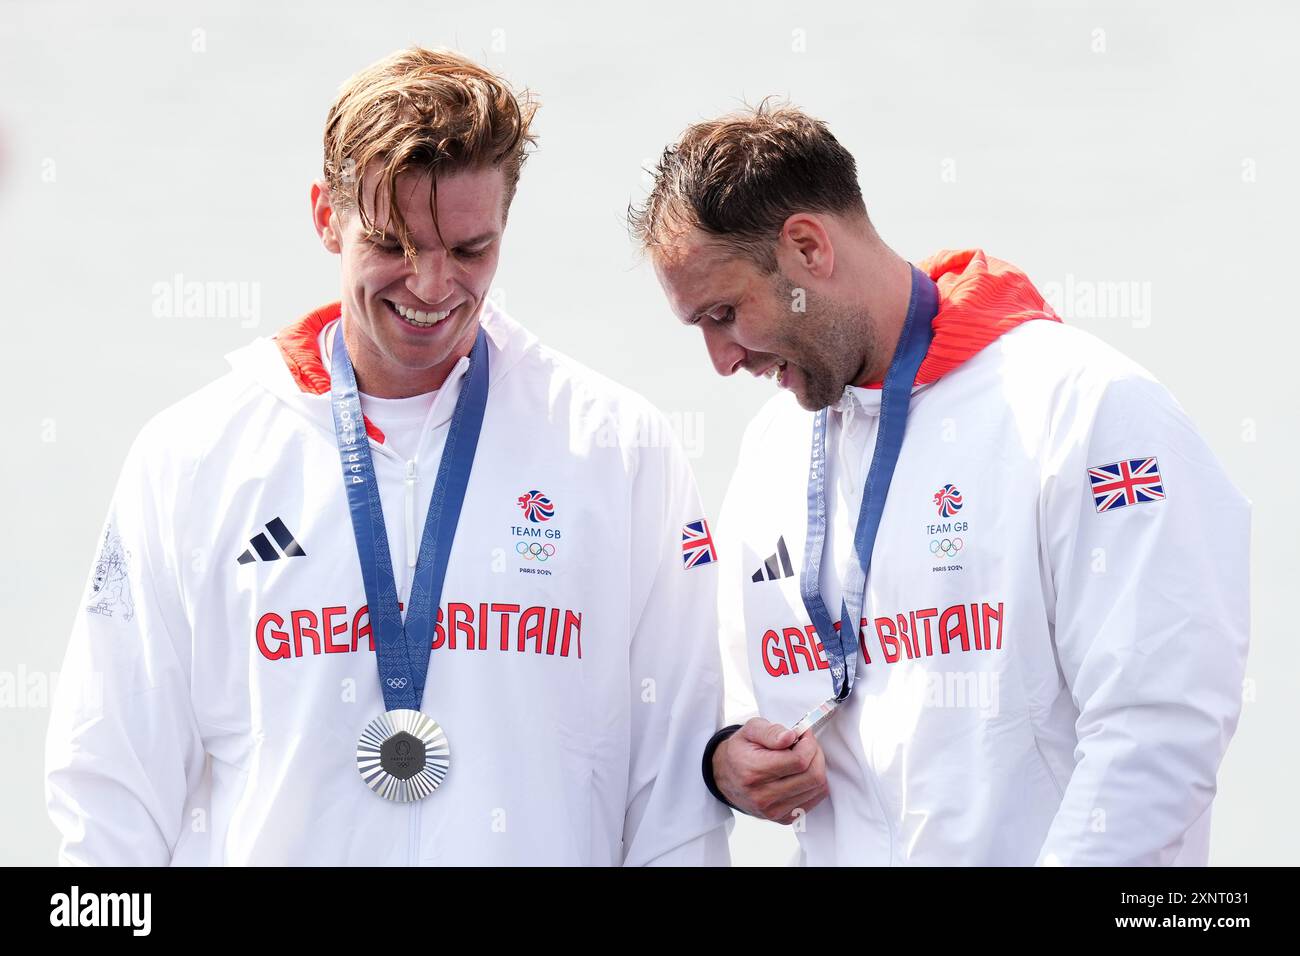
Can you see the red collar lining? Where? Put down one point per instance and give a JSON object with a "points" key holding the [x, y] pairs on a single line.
{"points": [[980, 299], [299, 346]]}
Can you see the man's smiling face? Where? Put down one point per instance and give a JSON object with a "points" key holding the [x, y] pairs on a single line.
{"points": [[410, 322], [763, 324]]}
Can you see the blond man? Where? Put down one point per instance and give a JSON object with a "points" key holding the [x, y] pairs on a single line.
{"points": [[398, 589]]}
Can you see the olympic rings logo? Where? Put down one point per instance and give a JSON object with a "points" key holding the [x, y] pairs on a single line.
{"points": [[396, 682], [532, 551], [948, 547]]}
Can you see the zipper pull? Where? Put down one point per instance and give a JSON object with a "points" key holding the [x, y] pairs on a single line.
{"points": [[411, 550]]}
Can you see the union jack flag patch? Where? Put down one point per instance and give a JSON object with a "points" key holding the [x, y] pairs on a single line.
{"points": [[697, 545], [1123, 483]]}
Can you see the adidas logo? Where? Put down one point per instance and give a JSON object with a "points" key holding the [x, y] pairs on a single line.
{"points": [[266, 551], [771, 569]]}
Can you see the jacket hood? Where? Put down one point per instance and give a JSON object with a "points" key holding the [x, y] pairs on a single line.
{"points": [[980, 299], [289, 365]]}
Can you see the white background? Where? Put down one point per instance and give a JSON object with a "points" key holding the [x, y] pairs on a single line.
{"points": [[1089, 143]]}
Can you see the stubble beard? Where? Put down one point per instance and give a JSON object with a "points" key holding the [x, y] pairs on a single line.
{"points": [[832, 344]]}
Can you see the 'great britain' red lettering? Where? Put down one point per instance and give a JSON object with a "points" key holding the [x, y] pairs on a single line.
{"points": [[552, 632], [904, 636]]}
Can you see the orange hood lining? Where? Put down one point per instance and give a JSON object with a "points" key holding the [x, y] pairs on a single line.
{"points": [[980, 299], [299, 345]]}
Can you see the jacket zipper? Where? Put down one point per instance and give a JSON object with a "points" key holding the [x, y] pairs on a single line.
{"points": [[412, 556], [409, 481], [877, 785], [412, 551], [413, 848]]}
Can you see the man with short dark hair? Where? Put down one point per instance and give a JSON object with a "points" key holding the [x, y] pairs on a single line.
{"points": [[1007, 589]]}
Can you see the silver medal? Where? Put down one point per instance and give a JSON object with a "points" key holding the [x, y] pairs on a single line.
{"points": [[812, 721], [403, 755]]}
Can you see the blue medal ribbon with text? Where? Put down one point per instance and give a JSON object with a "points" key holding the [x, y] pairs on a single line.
{"points": [[841, 646], [402, 648]]}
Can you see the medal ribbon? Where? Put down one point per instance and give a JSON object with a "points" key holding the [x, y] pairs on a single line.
{"points": [[842, 647], [402, 649]]}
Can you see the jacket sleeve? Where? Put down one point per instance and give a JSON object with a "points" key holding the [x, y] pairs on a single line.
{"points": [[1151, 628], [740, 703], [671, 817], [123, 749]]}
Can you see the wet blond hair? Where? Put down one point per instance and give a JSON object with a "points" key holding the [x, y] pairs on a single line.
{"points": [[421, 110]]}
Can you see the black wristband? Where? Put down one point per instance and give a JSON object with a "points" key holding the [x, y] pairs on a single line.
{"points": [[707, 766]]}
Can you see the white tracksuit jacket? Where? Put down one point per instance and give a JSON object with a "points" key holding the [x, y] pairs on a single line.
{"points": [[221, 668], [1059, 681]]}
